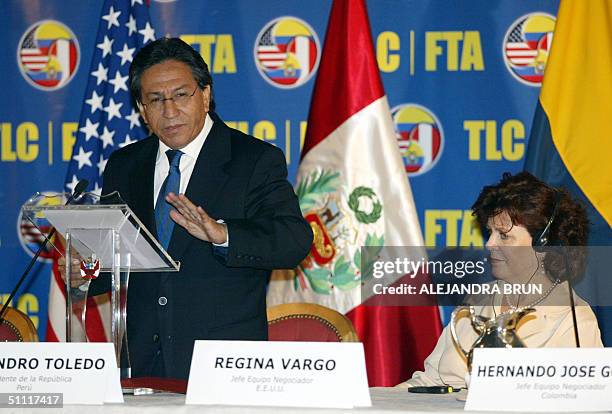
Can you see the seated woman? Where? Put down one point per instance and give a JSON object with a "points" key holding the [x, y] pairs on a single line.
{"points": [[518, 213]]}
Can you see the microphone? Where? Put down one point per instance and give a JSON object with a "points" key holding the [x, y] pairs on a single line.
{"points": [[78, 190]]}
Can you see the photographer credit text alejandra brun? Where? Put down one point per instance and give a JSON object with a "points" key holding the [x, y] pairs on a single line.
{"points": [[401, 267]]}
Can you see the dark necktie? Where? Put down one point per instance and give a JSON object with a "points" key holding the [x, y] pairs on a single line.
{"points": [[171, 184]]}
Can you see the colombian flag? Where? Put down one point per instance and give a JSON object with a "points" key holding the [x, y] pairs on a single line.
{"points": [[571, 138]]}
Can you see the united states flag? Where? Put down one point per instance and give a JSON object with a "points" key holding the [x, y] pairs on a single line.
{"points": [[270, 54], [108, 121], [519, 51], [32, 56]]}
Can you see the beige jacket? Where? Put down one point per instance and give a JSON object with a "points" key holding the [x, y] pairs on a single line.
{"points": [[550, 326]]}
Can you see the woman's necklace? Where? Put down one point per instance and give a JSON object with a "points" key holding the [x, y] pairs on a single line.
{"points": [[535, 302]]}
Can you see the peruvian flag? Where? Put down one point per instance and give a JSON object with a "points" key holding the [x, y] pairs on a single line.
{"points": [[354, 192]]}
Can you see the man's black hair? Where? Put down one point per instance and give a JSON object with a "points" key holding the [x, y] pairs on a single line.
{"points": [[169, 48]]}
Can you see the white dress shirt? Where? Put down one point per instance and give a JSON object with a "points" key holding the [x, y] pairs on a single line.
{"points": [[188, 160], [186, 165]]}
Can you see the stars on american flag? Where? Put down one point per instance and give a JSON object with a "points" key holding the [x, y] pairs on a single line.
{"points": [[112, 109], [127, 141], [126, 54], [112, 17], [95, 102], [101, 164], [106, 46], [90, 129], [108, 121], [83, 158], [101, 74], [148, 33], [131, 25], [70, 186], [119, 82], [134, 118], [107, 137]]}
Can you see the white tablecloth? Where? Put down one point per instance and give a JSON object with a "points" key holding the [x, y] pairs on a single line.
{"points": [[384, 400]]}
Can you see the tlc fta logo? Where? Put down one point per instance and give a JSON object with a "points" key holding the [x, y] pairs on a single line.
{"points": [[33, 228], [526, 46], [287, 52], [419, 136], [48, 55]]}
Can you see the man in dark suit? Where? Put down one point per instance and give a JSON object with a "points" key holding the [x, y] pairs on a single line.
{"points": [[217, 198]]}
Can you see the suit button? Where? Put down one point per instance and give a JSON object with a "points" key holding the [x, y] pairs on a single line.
{"points": [[162, 300], [155, 337]]}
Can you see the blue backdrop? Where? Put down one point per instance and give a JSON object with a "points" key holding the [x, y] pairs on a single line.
{"points": [[467, 71]]}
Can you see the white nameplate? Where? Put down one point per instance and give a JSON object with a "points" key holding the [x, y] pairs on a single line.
{"points": [[541, 379], [85, 373], [291, 374]]}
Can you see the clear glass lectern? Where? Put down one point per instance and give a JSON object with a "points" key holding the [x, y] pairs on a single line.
{"points": [[104, 238]]}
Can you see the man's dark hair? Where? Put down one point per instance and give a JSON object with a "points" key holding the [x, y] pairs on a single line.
{"points": [[169, 48]]}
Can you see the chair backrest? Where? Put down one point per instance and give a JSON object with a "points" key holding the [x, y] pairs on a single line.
{"points": [[309, 322], [17, 327]]}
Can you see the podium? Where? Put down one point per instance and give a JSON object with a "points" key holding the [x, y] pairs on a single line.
{"points": [[103, 238]]}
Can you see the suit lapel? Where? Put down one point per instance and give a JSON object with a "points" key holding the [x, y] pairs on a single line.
{"points": [[141, 185], [208, 177]]}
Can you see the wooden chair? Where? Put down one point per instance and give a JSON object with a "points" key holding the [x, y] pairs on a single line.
{"points": [[309, 322], [16, 326]]}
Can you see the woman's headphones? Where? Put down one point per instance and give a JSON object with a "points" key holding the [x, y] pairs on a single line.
{"points": [[542, 239]]}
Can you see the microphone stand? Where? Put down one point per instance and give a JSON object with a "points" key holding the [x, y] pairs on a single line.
{"points": [[573, 306]]}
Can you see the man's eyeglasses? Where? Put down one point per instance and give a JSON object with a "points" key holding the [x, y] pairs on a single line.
{"points": [[179, 98]]}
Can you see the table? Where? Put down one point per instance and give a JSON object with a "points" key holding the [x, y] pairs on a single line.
{"points": [[384, 401]]}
